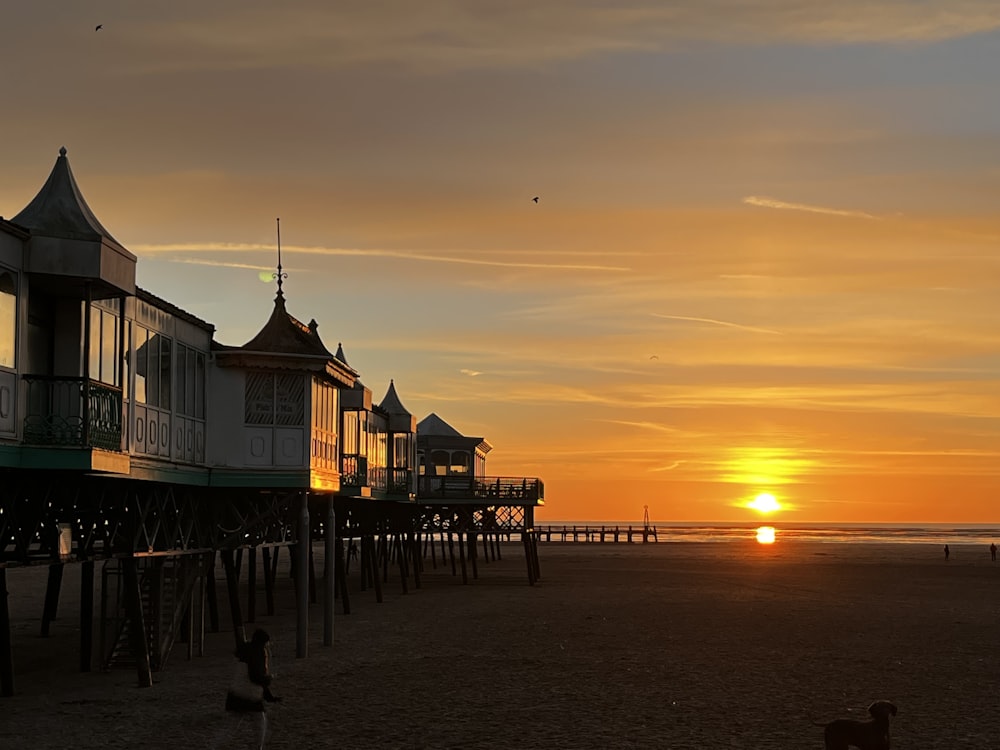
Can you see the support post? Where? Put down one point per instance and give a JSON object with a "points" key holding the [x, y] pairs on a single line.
{"points": [[251, 584], [232, 587], [268, 578], [137, 624], [86, 614], [52, 588], [212, 596], [461, 554], [330, 554], [6, 654], [302, 580]]}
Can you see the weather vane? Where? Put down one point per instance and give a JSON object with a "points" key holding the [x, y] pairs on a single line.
{"points": [[279, 276]]}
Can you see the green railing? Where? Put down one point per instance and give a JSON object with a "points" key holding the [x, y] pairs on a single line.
{"points": [[72, 412]]}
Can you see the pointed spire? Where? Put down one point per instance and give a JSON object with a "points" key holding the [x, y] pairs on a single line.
{"points": [[340, 353], [280, 275], [391, 403]]}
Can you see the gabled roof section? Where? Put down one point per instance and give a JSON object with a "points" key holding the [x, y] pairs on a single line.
{"points": [[392, 405], [162, 304], [59, 210], [433, 425]]}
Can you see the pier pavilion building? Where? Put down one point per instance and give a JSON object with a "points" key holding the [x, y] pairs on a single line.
{"points": [[132, 438]]}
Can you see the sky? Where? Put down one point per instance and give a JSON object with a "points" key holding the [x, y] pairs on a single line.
{"points": [[764, 258]]}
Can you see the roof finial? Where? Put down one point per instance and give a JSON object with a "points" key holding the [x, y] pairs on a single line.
{"points": [[62, 151], [279, 276]]}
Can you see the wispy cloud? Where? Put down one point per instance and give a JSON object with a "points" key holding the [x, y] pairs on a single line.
{"points": [[470, 373], [245, 247], [763, 202], [724, 323], [448, 34]]}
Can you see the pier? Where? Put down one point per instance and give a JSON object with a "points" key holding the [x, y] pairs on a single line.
{"points": [[601, 534]]}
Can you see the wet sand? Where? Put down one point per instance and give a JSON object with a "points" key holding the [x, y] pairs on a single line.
{"points": [[670, 645]]}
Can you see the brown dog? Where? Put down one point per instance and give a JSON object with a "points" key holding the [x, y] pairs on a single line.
{"points": [[842, 734]]}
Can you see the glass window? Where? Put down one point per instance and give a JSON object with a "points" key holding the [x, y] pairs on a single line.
{"points": [[109, 348], [139, 354], [8, 318], [153, 369], [199, 386], [459, 463], [164, 373], [95, 344], [103, 359], [440, 461]]}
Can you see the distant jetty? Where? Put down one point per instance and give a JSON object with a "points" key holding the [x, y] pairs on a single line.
{"points": [[600, 534]]}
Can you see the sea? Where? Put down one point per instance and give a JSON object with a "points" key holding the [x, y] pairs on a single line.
{"points": [[708, 532]]}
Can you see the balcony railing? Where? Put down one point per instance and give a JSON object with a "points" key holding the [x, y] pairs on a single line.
{"points": [[72, 412], [498, 490]]}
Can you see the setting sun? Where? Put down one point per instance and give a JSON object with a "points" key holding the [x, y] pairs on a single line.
{"points": [[765, 535], [765, 503]]}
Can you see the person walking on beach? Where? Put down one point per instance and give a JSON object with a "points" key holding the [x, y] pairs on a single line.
{"points": [[993, 551], [252, 687], [947, 552]]}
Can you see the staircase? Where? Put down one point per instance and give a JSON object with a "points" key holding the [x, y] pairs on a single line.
{"points": [[166, 585]]}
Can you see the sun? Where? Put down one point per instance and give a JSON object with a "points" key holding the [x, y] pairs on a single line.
{"points": [[765, 535], [764, 503]]}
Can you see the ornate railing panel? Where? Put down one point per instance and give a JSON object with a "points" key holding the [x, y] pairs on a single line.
{"points": [[498, 490], [72, 412]]}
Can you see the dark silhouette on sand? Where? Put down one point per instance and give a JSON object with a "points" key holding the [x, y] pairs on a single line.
{"points": [[873, 734]]}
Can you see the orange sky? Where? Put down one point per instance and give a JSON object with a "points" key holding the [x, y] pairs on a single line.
{"points": [[764, 259]]}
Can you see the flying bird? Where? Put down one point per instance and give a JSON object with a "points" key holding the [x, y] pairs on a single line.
{"points": [[99, 27], [535, 199], [654, 357]]}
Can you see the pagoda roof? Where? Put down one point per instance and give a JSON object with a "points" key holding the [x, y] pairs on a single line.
{"points": [[287, 343], [391, 403], [60, 210], [284, 334]]}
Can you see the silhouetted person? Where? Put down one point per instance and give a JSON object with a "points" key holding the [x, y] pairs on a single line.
{"points": [[993, 552], [250, 695], [947, 552]]}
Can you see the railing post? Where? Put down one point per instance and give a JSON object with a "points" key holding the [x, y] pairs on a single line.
{"points": [[85, 392], [123, 346]]}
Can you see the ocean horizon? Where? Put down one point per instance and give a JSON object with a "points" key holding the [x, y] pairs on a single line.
{"points": [[723, 531]]}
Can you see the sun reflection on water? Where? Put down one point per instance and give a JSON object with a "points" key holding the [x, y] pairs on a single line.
{"points": [[765, 535]]}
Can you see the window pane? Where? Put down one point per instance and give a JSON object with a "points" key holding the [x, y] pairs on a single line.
{"points": [[153, 371], [189, 383], [109, 340], [165, 380], [8, 319], [140, 353], [199, 386], [181, 375], [95, 344]]}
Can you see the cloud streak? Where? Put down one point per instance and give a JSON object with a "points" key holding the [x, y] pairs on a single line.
{"points": [[763, 202], [723, 323], [237, 247]]}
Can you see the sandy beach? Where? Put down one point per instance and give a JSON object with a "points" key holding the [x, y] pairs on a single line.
{"points": [[670, 645]]}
